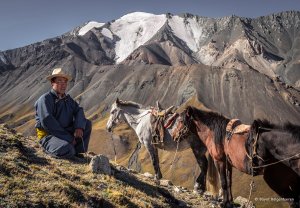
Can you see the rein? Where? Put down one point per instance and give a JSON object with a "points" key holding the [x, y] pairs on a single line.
{"points": [[114, 147], [171, 166], [137, 119], [285, 159], [184, 131]]}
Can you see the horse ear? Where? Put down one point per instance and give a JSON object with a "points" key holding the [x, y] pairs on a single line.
{"points": [[158, 106], [117, 101], [189, 111]]}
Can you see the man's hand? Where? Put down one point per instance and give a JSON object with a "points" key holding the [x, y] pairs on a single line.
{"points": [[78, 133]]}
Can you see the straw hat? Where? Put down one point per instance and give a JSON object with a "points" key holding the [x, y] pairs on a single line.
{"points": [[58, 72]]}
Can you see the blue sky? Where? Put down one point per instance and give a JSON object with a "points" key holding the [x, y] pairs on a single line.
{"points": [[23, 22]]}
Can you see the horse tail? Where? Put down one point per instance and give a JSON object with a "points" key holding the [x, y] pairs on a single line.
{"points": [[213, 179], [133, 159]]}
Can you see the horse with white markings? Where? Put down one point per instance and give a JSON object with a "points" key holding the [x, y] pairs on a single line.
{"points": [[139, 119]]}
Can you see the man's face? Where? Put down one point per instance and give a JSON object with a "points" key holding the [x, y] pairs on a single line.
{"points": [[59, 85]]}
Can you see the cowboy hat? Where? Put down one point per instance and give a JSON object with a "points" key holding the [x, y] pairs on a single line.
{"points": [[58, 72]]}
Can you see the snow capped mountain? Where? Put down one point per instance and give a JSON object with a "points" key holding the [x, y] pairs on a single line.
{"points": [[89, 26], [135, 29], [188, 30]]}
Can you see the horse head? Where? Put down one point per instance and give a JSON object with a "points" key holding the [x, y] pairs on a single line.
{"points": [[183, 125], [115, 115]]}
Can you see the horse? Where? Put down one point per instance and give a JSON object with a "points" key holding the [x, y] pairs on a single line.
{"points": [[139, 119], [232, 150]]}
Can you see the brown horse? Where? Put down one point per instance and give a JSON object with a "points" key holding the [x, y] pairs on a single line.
{"points": [[230, 151]]}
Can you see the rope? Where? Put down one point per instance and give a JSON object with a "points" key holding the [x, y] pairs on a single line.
{"points": [[263, 166], [114, 147], [133, 159], [251, 189], [174, 156], [85, 152], [138, 118]]}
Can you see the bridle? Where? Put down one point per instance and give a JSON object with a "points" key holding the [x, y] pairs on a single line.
{"points": [[115, 120], [118, 120], [184, 131]]}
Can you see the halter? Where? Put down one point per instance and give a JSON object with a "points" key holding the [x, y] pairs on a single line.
{"points": [[183, 131]]}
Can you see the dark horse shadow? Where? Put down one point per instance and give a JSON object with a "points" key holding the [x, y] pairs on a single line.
{"points": [[153, 191], [276, 144]]}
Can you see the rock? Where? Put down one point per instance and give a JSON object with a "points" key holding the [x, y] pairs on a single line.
{"points": [[121, 168], [243, 202], [182, 204], [102, 186], [148, 175], [176, 189], [132, 171], [100, 164], [165, 183], [220, 193]]}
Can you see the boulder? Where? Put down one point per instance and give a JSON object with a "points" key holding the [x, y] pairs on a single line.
{"points": [[100, 164]]}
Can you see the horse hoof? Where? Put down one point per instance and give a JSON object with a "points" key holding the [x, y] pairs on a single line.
{"points": [[158, 176], [227, 205], [198, 191]]}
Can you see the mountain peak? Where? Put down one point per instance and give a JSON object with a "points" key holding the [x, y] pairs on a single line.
{"points": [[137, 14], [88, 26]]}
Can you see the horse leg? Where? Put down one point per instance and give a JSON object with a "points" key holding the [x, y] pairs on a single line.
{"points": [[154, 158], [221, 166], [199, 153], [229, 181]]}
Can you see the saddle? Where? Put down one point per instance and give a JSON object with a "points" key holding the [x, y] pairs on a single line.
{"points": [[159, 123], [235, 126]]}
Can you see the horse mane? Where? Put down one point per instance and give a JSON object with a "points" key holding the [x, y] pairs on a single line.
{"points": [[130, 104], [293, 129], [215, 121], [263, 123], [288, 127]]}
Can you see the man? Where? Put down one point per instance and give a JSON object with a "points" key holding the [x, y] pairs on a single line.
{"points": [[61, 126]]}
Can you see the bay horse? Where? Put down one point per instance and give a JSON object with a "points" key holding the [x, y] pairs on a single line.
{"points": [[229, 152], [139, 119]]}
